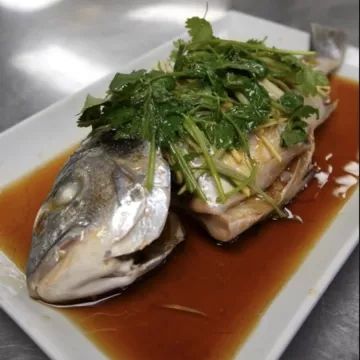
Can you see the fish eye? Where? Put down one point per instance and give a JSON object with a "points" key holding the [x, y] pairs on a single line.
{"points": [[66, 193]]}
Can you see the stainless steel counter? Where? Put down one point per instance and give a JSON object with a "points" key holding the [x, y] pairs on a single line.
{"points": [[51, 48]]}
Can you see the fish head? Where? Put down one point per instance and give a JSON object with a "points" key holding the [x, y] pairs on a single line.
{"points": [[96, 219]]}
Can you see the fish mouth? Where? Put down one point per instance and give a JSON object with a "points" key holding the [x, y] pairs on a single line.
{"points": [[79, 273], [86, 273], [54, 256]]}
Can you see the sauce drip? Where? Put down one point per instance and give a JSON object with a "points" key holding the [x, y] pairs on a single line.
{"points": [[232, 285]]}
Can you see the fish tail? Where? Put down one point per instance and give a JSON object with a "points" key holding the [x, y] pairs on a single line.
{"points": [[329, 44]]}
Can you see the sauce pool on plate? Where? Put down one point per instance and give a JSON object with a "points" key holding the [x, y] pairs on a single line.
{"points": [[231, 286]]}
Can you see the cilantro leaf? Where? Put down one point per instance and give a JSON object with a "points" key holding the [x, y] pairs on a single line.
{"points": [[257, 42], [290, 101], [292, 61], [120, 80], [119, 116], [170, 128], [221, 135], [258, 97], [162, 89], [307, 78], [254, 68], [91, 112], [245, 117], [305, 112], [91, 101], [294, 133], [199, 29], [179, 46]]}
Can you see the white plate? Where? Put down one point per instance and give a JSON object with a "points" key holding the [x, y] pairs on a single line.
{"points": [[55, 130]]}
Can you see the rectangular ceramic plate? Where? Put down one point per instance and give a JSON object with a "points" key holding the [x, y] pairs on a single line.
{"points": [[55, 131]]}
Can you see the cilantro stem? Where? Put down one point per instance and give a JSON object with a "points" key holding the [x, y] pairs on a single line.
{"points": [[242, 180], [279, 83], [219, 153], [148, 117], [151, 165], [207, 122], [182, 190], [192, 128], [251, 46], [271, 63], [239, 187], [239, 183], [276, 105], [228, 99], [268, 199], [190, 180], [229, 171], [241, 97]]}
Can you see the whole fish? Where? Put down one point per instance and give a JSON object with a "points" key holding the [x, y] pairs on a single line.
{"points": [[283, 179], [99, 228]]}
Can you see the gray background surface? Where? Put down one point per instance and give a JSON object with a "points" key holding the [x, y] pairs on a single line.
{"points": [[102, 32]]}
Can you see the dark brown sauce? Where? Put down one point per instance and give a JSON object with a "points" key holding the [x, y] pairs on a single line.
{"points": [[233, 285]]}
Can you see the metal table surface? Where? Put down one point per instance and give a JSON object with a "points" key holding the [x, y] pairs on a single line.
{"points": [[51, 48]]}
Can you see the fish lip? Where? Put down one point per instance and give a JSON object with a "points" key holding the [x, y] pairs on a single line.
{"points": [[34, 278]]}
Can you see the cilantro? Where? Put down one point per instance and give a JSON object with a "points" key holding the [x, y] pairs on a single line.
{"points": [[211, 102], [252, 67], [199, 29], [121, 80], [179, 46], [91, 101], [221, 134], [257, 96], [119, 116], [306, 79], [91, 112], [290, 101], [294, 133], [305, 112]]}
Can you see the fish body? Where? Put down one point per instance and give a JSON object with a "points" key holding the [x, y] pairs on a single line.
{"points": [[281, 180], [237, 219], [100, 228]]}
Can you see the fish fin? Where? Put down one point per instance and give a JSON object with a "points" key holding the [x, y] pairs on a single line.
{"points": [[329, 43]]}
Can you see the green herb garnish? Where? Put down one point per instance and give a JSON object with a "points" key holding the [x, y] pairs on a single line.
{"points": [[295, 129], [210, 102]]}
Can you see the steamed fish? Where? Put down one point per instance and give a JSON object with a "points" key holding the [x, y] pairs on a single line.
{"points": [[100, 229], [281, 178], [236, 124]]}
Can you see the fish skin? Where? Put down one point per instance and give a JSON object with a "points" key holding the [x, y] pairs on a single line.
{"points": [[97, 212]]}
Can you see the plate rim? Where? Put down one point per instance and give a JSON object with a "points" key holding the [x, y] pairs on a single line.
{"points": [[328, 275]]}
